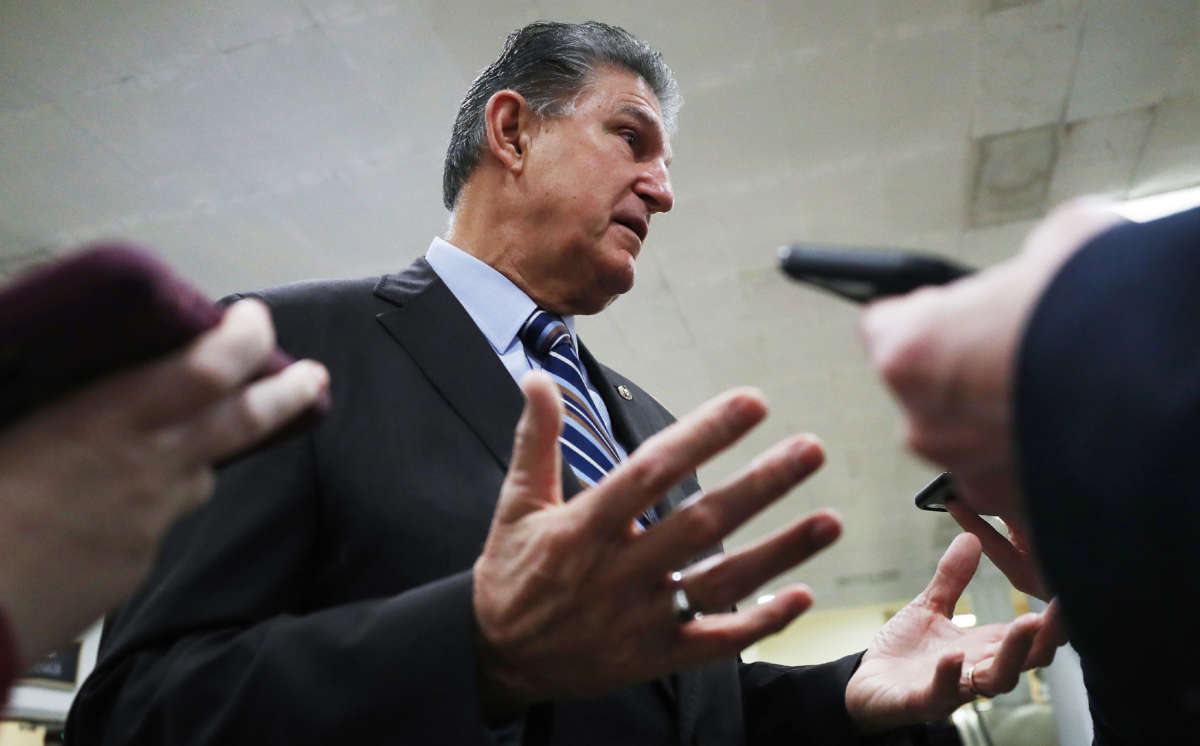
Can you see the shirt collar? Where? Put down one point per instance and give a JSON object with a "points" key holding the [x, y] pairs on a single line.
{"points": [[494, 303]]}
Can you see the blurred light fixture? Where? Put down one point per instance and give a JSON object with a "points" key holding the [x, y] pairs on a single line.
{"points": [[1159, 205], [963, 620]]}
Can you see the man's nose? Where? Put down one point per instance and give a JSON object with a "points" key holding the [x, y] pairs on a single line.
{"points": [[654, 187]]}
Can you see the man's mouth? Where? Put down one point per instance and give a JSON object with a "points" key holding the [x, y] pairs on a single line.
{"points": [[639, 226]]}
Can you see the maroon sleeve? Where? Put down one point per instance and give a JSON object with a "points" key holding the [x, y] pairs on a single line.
{"points": [[9, 658]]}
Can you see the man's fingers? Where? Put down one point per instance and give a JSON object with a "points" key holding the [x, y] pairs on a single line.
{"points": [[1055, 621], [945, 691], [1001, 673], [995, 545], [972, 523], [1008, 555], [534, 477], [903, 357], [189, 492], [937, 438], [665, 459], [1050, 637], [719, 584], [954, 570], [250, 414], [216, 363], [725, 635], [702, 522]]}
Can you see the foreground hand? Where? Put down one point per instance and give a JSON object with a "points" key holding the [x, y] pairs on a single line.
{"points": [[573, 600], [948, 355], [90, 483], [916, 669], [1012, 555]]}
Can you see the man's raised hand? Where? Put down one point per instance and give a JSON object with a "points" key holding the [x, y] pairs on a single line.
{"points": [[572, 599]]}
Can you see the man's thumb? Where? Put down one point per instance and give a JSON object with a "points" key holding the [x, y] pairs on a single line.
{"points": [[534, 478]]}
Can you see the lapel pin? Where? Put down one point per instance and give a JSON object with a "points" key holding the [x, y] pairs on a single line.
{"points": [[625, 393]]}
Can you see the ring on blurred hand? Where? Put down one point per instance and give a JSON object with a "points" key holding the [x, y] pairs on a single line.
{"points": [[681, 605], [970, 677]]}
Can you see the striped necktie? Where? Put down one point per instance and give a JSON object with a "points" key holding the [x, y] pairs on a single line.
{"points": [[586, 444], [588, 447]]}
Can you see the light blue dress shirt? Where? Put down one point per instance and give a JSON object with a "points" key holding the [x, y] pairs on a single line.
{"points": [[499, 308]]}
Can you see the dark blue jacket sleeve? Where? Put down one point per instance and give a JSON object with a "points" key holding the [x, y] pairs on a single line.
{"points": [[1107, 397]]}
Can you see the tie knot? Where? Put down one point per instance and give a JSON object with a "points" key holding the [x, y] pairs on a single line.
{"points": [[543, 331]]}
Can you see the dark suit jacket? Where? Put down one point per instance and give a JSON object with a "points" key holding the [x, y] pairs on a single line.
{"points": [[324, 594], [1108, 422]]}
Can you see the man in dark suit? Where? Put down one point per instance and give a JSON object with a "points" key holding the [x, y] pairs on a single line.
{"points": [[412, 572], [1071, 372]]}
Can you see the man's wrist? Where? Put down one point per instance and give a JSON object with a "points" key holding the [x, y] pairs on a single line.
{"points": [[499, 699], [860, 719]]}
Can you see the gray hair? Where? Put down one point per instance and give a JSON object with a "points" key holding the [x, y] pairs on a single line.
{"points": [[550, 64]]}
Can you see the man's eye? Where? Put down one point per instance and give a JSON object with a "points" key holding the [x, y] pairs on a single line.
{"points": [[630, 137]]}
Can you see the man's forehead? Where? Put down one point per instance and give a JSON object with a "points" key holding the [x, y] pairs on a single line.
{"points": [[621, 89]]}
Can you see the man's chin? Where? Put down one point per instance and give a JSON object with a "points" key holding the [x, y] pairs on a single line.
{"points": [[618, 285], [592, 305], [596, 302], [606, 284]]}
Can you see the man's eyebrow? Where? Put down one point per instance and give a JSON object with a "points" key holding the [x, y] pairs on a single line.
{"points": [[647, 119], [638, 112]]}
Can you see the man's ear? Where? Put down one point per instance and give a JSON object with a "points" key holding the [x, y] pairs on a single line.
{"points": [[509, 121]]}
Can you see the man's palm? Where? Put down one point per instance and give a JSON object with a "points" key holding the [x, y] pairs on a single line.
{"points": [[915, 667]]}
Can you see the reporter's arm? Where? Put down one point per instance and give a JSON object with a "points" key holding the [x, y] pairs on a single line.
{"points": [[89, 483], [1076, 365], [948, 356], [1107, 414]]}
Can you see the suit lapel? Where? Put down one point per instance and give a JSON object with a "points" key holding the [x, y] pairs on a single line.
{"points": [[435, 330], [457, 359]]}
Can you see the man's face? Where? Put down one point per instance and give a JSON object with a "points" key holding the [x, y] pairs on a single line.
{"points": [[592, 181]]}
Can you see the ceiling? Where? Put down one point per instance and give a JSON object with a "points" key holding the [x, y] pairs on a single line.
{"points": [[254, 143]]}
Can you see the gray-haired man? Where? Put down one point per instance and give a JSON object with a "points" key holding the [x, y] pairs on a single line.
{"points": [[413, 572]]}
